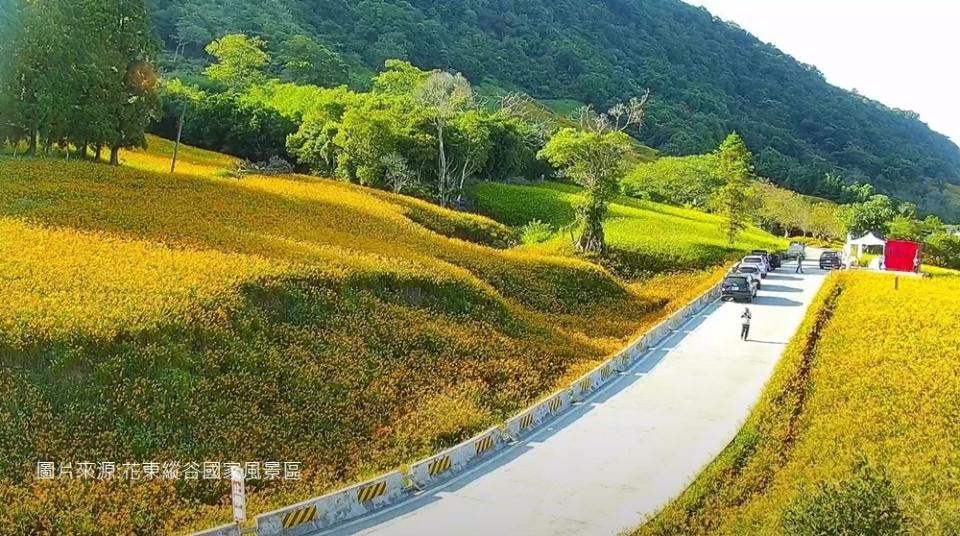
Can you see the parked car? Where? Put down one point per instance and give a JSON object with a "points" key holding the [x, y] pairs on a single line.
{"points": [[776, 260], [749, 270], [830, 260], [738, 287], [795, 250], [766, 258], [757, 261]]}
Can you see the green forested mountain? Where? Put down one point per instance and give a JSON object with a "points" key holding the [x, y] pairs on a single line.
{"points": [[708, 77]]}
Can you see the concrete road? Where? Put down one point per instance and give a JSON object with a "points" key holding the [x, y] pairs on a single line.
{"points": [[634, 445]]}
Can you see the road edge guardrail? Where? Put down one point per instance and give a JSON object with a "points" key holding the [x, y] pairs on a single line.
{"points": [[358, 500], [230, 529]]}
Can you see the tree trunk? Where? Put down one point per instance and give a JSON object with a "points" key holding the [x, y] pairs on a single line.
{"points": [[98, 152], [83, 151], [32, 145], [442, 167], [178, 51], [114, 155], [176, 146], [592, 239], [463, 179]]}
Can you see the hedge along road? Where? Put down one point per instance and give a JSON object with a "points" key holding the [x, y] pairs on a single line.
{"points": [[630, 448]]}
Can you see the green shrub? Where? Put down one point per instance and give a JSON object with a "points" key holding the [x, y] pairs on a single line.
{"points": [[864, 260], [535, 232]]}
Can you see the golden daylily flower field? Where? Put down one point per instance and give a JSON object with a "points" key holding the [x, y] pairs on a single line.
{"points": [[192, 317], [858, 432]]}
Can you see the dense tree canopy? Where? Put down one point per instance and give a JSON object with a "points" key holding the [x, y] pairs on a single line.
{"points": [[873, 215], [228, 122], [415, 132], [708, 77], [240, 61], [304, 60], [76, 73]]}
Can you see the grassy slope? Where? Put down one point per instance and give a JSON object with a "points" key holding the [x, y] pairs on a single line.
{"points": [[856, 430], [646, 235], [190, 317]]}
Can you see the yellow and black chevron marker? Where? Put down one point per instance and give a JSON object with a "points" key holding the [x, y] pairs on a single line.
{"points": [[526, 421], [440, 465], [483, 445], [605, 372], [585, 384], [555, 404], [371, 492], [299, 517]]}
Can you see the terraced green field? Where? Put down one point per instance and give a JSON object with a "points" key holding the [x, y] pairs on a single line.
{"points": [[646, 236]]}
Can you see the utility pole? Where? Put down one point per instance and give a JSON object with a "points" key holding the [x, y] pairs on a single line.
{"points": [[183, 111], [176, 145]]}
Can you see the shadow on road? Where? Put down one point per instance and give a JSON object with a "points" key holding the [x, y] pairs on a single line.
{"points": [[772, 277], [776, 301], [780, 288]]}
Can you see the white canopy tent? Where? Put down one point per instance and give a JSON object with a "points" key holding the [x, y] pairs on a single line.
{"points": [[854, 247]]}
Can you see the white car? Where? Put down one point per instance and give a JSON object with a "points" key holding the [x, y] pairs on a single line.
{"points": [[755, 260], [750, 271]]}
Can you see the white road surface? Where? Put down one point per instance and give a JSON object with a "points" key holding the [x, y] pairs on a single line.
{"points": [[611, 462]]}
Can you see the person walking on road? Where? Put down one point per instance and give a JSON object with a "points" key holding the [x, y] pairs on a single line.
{"points": [[799, 269], [745, 323]]}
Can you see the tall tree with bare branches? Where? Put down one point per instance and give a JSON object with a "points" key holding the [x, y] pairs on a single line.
{"points": [[592, 156], [444, 96]]}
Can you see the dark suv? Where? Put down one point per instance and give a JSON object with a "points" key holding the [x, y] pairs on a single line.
{"points": [[830, 260], [773, 259], [738, 287]]}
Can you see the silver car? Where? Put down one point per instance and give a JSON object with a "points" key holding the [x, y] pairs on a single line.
{"points": [[755, 260]]}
